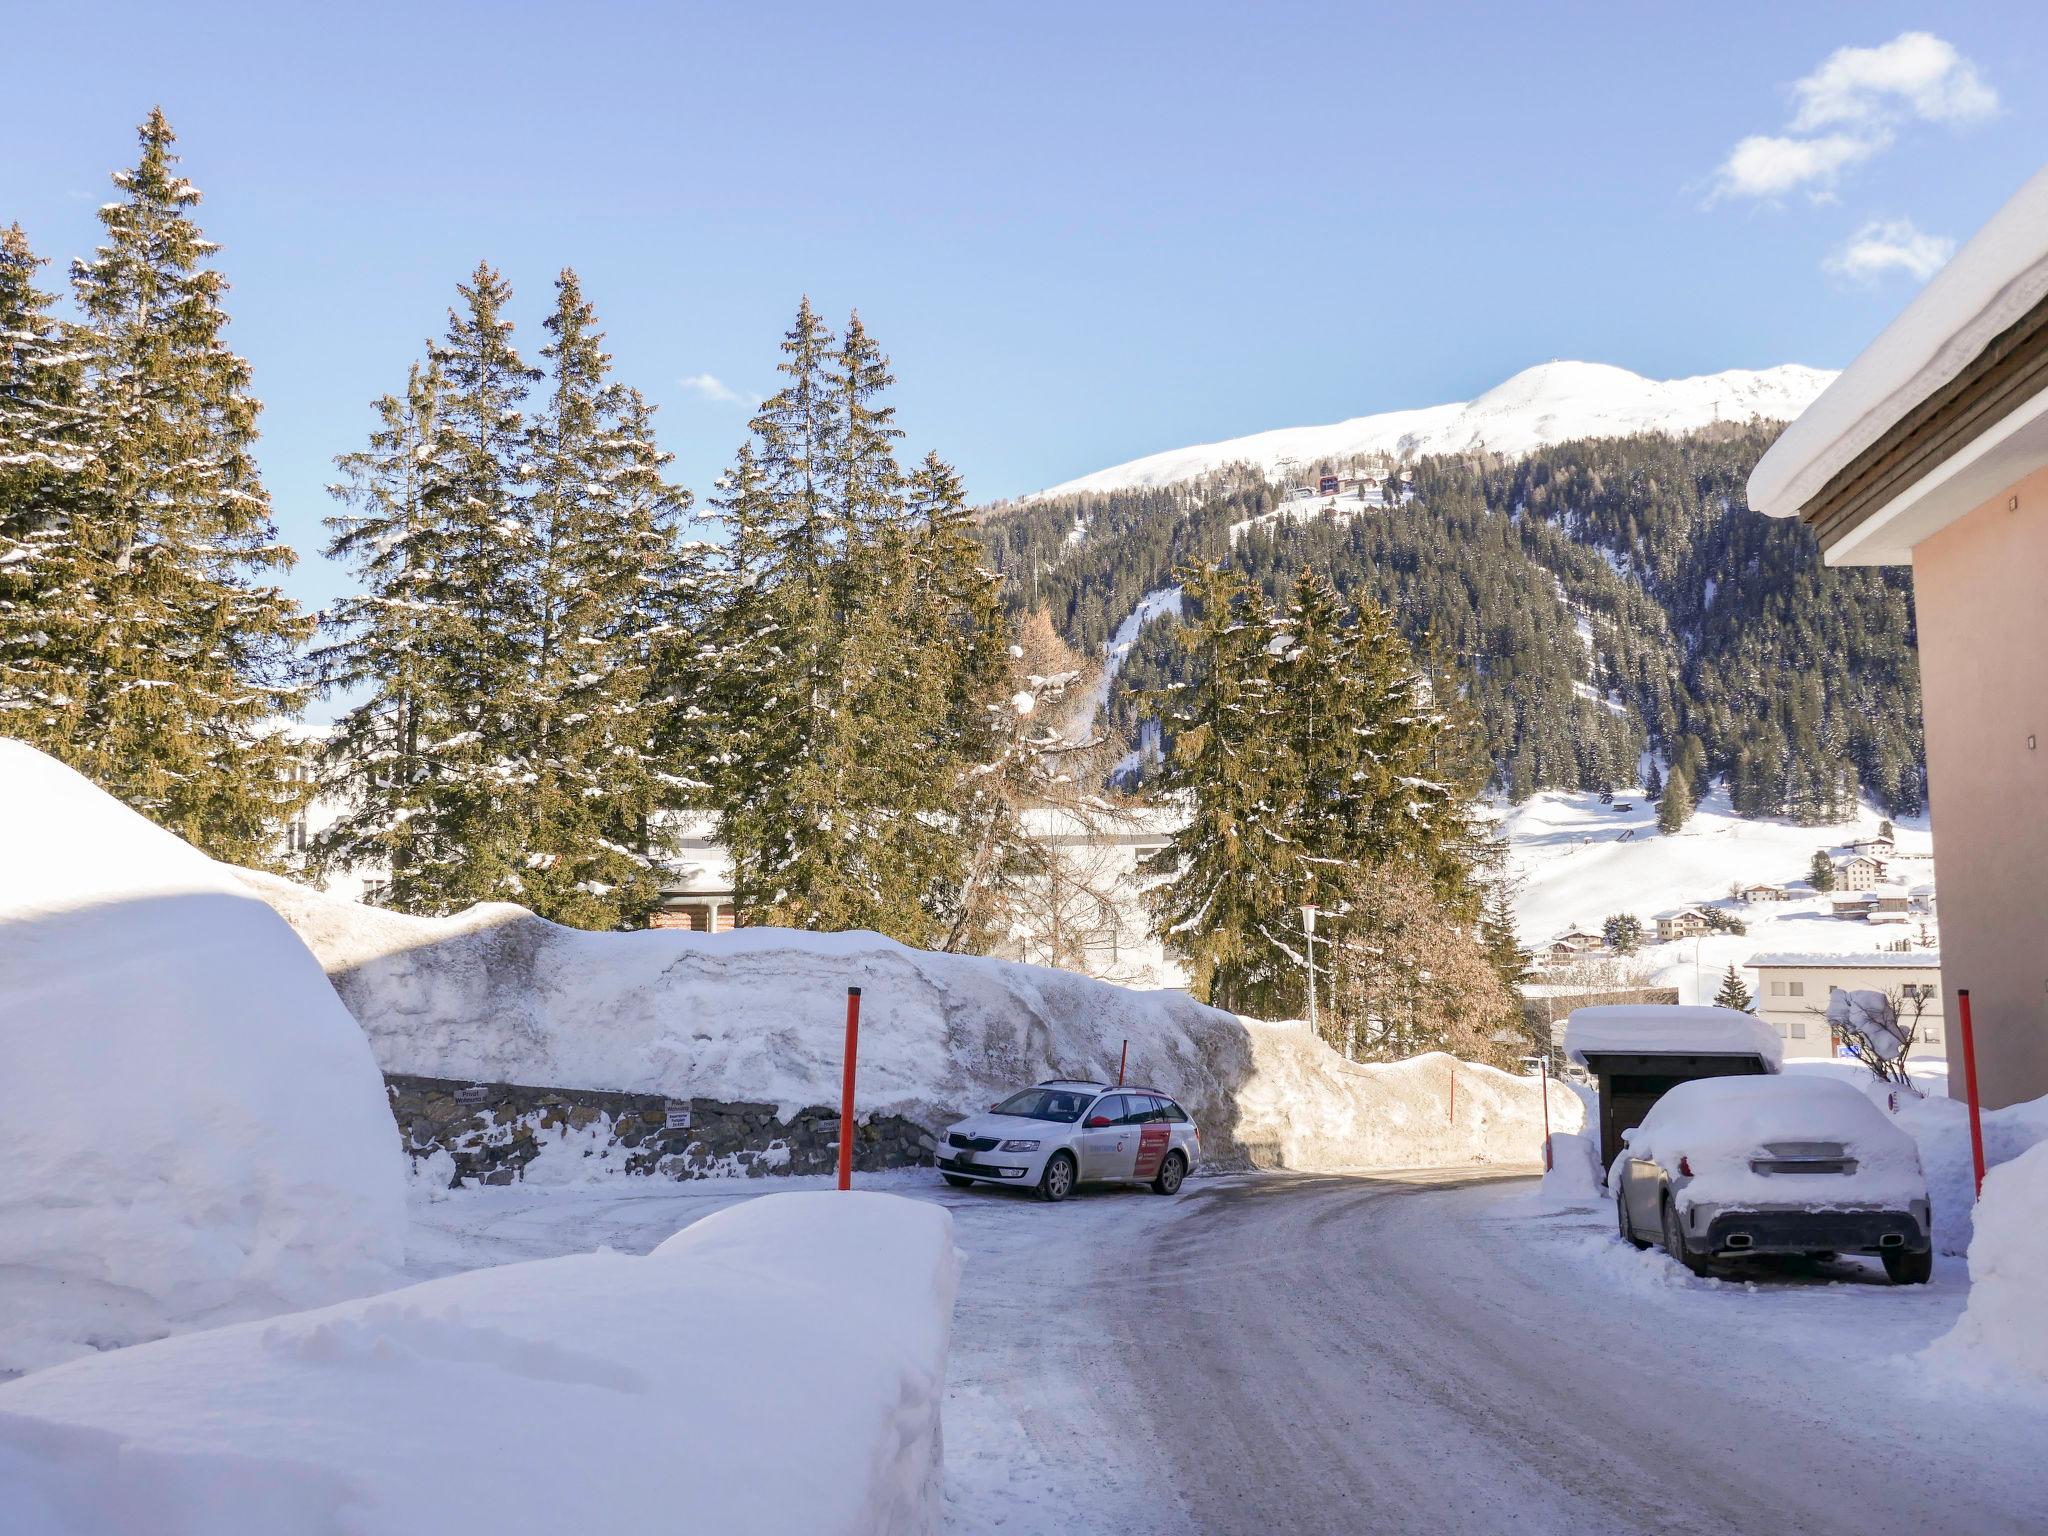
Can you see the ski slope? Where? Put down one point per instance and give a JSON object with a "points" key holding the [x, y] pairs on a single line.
{"points": [[1550, 403]]}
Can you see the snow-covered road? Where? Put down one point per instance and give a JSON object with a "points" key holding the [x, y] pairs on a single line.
{"points": [[1411, 1352]]}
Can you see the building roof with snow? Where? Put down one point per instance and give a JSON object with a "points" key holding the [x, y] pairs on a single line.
{"points": [[1943, 410], [1918, 959], [1670, 1029]]}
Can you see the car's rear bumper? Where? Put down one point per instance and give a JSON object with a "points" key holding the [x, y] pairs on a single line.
{"points": [[1791, 1229]]}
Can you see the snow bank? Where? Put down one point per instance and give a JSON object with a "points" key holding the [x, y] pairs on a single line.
{"points": [[1574, 1173], [1718, 1123], [194, 1130], [2004, 1328], [497, 995], [777, 1367], [1941, 1127], [1678, 1028]]}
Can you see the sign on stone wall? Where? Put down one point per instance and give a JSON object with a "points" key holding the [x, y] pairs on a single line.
{"points": [[472, 1095], [677, 1114]]}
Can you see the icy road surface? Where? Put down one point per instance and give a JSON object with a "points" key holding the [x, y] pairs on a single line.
{"points": [[1391, 1353]]}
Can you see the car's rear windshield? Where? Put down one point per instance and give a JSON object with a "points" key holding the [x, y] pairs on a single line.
{"points": [[1061, 1104]]}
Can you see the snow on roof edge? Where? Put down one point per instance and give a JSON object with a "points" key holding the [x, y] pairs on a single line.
{"points": [[1677, 1029], [1918, 960], [1998, 275]]}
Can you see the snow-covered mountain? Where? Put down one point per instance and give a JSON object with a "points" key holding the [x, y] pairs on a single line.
{"points": [[1551, 403]]}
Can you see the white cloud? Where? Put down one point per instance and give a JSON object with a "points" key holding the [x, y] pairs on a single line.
{"points": [[1884, 246], [1915, 74], [1767, 165], [709, 386], [1862, 96]]}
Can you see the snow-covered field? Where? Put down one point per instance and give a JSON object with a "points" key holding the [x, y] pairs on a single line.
{"points": [[1549, 403], [1580, 862]]}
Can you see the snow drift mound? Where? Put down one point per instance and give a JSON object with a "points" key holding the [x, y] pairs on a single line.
{"points": [[194, 1128], [495, 994], [2004, 1329], [546, 1396]]}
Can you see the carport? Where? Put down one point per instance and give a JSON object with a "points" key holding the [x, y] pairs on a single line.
{"points": [[1641, 1051]]}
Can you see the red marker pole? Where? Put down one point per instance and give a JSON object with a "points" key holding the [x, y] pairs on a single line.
{"points": [[846, 1126], [1970, 1085], [1122, 1062]]}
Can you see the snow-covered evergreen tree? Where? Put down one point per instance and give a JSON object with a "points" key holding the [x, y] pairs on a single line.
{"points": [[1228, 890], [606, 527], [41, 458], [154, 655], [1734, 991]]}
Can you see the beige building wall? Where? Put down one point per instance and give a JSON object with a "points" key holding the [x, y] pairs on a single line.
{"points": [[1981, 593], [1793, 999]]}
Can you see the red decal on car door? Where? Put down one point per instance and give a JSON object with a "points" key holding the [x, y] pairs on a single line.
{"points": [[1152, 1140]]}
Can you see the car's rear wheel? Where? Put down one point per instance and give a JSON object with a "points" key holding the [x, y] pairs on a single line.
{"points": [[1057, 1182], [1171, 1172], [957, 1180], [1909, 1268], [1674, 1242], [1628, 1231]]}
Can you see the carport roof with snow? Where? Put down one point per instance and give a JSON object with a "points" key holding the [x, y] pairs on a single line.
{"points": [[1641, 1051]]}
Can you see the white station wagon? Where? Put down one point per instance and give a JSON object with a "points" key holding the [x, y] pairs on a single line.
{"points": [[1061, 1134]]}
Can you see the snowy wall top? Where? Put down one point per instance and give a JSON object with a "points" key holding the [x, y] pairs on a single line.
{"points": [[1675, 1029], [1993, 281]]}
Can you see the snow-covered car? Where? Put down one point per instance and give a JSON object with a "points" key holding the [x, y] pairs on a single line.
{"points": [[1724, 1167], [1060, 1134]]}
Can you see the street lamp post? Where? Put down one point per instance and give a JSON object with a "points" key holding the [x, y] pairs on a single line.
{"points": [[1308, 933]]}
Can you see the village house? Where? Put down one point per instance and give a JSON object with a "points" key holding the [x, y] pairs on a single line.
{"points": [[1858, 872], [1931, 450], [1763, 892], [1852, 906], [1792, 992], [1685, 923]]}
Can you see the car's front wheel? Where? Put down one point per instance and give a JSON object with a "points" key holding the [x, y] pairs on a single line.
{"points": [[957, 1180], [1674, 1242], [1171, 1172], [1909, 1268], [1057, 1182]]}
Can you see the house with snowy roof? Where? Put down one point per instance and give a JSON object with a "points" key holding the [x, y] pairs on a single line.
{"points": [[1931, 450], [1858, 872], [1685, 923], [1792, 992]]}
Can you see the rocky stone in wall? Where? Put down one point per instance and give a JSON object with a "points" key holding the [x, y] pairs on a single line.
{"points": [[493, 1131]]}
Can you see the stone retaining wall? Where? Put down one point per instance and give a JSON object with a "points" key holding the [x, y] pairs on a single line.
{"points": [[493, 1130]]}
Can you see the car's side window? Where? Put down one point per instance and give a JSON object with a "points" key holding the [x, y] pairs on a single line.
{"points": [[1168, 1110], [1109, 1107], [1140, 1108]]}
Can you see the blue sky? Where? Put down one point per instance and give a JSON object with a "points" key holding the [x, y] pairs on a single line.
{"points": [[1084, 232]]}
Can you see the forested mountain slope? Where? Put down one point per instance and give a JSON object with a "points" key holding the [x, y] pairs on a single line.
{"points": [[1595, 599]]}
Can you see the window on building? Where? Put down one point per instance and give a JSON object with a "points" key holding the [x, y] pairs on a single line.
{"points": [[1799, 1029], [1777, 989], [1795, 988]]}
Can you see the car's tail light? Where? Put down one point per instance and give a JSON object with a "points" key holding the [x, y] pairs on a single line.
{"points": [[1685, 1167]]}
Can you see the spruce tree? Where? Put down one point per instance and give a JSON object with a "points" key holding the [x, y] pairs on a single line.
{"points": [[41, 464], [150, 651], [856, 647], [604, 530], [1820, 871], [1734, 991], [1226, 904], [1677, 802], [380, 763]]}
